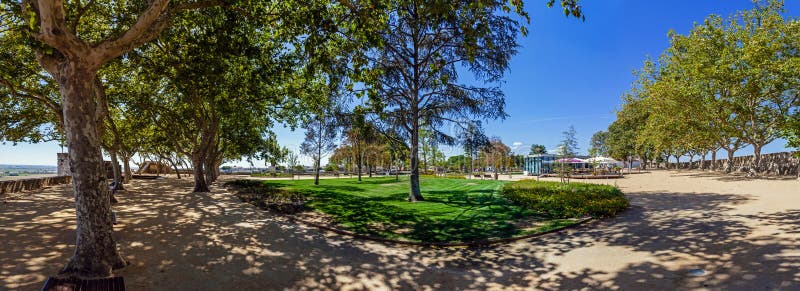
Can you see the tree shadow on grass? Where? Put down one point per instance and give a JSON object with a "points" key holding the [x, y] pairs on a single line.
{"points": [[481, 216]]}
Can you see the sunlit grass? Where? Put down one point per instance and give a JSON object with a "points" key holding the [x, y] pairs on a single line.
{"points": [[454, 210]]}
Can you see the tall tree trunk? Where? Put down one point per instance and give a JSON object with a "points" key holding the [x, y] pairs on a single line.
{"points": [[703, 161], [360, 161], [126, 163], [755, 168], [414, 191], [175, 167], [317, 162], [117, 173], [208, 167], [96, 251], [643, 165], [714, 160], [691, 162], [200, 184], [316, 171], [729, 164], [677, 162]]}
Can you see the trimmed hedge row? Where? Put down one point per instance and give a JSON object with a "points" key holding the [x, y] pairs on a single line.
{"points": [[567, 200]]}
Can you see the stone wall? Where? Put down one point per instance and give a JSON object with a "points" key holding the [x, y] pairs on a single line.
{"points": [[775, 164], [63, 164], [64, 170], [13, 186]]}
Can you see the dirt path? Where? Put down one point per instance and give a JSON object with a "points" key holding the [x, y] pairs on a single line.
{"points": [[744, 234]]}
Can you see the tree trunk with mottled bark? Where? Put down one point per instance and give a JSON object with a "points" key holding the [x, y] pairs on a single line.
{"points": [[116, 170], [200, 184], [729, 164], [96, 251], [126, 164], [714, 160], [755, 167]]}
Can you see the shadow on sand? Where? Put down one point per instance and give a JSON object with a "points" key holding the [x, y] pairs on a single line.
{"points": [[201, 241]]}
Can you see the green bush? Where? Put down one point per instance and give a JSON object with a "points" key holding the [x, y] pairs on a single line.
{"points": [[567, 200]]}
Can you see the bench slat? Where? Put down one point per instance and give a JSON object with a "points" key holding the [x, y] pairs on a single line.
{"points": [[105, 284]]}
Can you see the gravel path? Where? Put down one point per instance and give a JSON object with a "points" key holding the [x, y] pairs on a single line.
{"points": [[743, 234]]}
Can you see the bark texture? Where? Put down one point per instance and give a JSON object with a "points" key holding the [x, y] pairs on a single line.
{"points": [[200, 184], [96, 251], [116, 170]]}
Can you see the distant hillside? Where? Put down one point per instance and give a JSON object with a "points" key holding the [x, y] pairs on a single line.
{"points": [[27, 169]]}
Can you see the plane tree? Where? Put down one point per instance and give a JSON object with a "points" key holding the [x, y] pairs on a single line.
{"points": [[72, 41]]}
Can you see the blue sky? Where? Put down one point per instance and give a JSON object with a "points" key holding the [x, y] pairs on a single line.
{"points": [[567, 72]]}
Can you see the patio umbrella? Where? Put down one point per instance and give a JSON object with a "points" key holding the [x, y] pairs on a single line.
{"points": [[570, 160], [602, 160]]}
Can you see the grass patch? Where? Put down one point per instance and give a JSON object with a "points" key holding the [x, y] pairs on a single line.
{"points": [[454, 210], [567, 200]]}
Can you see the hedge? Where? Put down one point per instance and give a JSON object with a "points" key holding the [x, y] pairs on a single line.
{"points": [[570, 200]]}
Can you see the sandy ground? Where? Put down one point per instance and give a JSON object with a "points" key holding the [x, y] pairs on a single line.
{"points": [[745, 235]]}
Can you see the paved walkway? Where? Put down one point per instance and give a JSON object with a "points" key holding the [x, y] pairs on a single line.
{"points": [[744, 234]]}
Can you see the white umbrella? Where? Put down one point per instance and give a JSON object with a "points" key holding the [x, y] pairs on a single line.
{"points": [[602, 160]]}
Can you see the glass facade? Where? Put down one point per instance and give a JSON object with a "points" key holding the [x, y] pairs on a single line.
{"points": [[539, 164]]}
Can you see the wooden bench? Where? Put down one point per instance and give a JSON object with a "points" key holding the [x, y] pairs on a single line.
{"points": [[487, 176], [104, 284]]}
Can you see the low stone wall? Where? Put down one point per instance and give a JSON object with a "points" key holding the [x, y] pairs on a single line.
{"points": [[775, 164], [13, 186]]}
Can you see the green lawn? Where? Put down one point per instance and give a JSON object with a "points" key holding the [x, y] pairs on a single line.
{"points": [[454, 210]]}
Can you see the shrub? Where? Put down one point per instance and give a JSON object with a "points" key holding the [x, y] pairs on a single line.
{"points": [[572, 200]]}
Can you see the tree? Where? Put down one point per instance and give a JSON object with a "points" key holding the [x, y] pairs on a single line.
{"points": [[72, 42], [292, 162], [72, 51], [413, 78], [569, 145], [728, 83], [30, 105], [567, 148], [495, 154], [791, 132], [598, 144], [769, 60], [537, 149], [473, 140], [320, 140]]}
